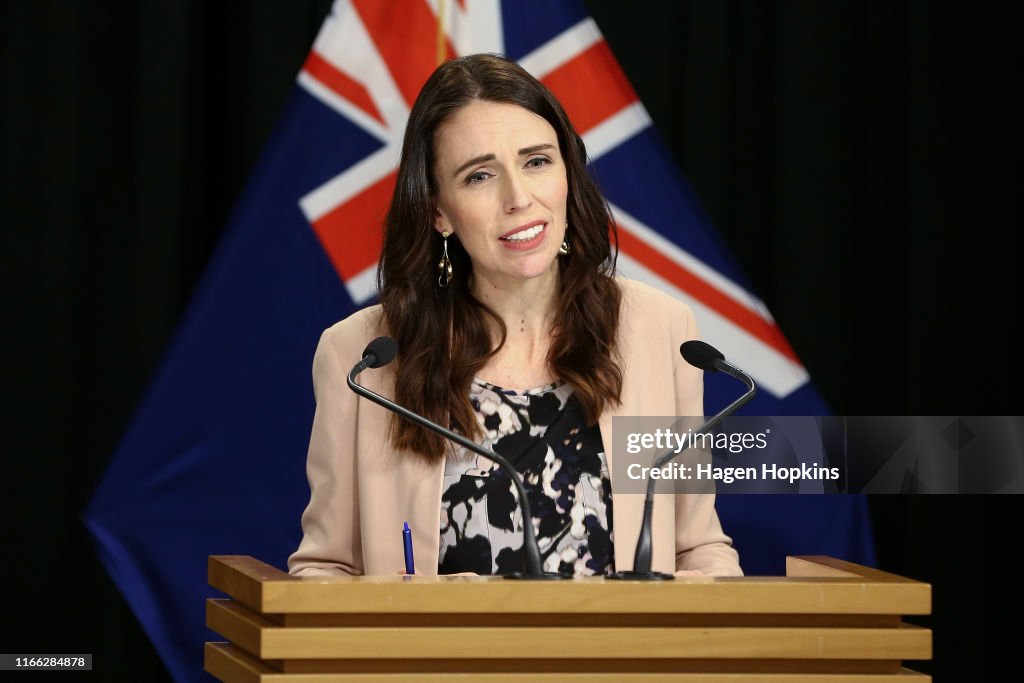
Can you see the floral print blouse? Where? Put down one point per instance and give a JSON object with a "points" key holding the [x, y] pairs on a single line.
{"points": [[543, 434]]}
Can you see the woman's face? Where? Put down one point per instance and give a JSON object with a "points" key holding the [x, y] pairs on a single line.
{"points": [[502, 189]]}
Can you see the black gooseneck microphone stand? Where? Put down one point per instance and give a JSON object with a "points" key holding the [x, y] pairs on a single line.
{"points": [[706, 357]]}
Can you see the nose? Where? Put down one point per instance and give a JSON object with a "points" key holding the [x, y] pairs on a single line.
{"points": [[517, 195]]}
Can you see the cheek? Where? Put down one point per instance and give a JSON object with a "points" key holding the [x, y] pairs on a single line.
{"points": [[450, 209], [559, 203], [560, 192], [467, 216]]}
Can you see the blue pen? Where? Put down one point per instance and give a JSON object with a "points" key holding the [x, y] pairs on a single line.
{"points": [[410, 565]]}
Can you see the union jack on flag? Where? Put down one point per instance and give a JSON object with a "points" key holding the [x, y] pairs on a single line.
{"points": [[369, 72], [213, 462]]}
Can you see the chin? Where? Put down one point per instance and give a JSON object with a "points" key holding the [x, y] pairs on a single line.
{"points": [[536, 269]]}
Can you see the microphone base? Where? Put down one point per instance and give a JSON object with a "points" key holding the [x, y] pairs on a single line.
{"points": [[641, 576], [546, 576]]}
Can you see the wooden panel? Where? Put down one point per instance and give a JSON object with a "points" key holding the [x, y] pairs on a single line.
{"points": [[268, 640], [804, 567], [271, 591], [230, 665], [582, 596], [242, 577], [821, 565], [236, 623], [834, 643], [573, 620], [583, 666], [585, 596]]}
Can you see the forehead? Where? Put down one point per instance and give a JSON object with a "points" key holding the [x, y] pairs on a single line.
{"points": [[483, 127]]}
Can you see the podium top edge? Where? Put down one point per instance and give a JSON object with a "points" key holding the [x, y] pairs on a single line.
{"points": [[814, 585]]}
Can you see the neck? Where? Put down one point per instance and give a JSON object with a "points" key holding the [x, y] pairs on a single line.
{"points": [[527, 307]]}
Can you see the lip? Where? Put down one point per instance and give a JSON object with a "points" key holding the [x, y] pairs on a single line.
{"points": [[524, 226], [521, 245]]}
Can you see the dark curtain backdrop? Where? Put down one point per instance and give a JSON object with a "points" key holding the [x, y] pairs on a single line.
{"points": [[863, 161]]}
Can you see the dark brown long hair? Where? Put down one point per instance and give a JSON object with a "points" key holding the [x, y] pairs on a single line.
{"points": [[442, 333]]}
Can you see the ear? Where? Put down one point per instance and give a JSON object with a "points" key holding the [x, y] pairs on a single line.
{"points": [[441, 223]]}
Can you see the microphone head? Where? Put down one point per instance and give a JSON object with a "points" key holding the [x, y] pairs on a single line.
{"points": [[382, 349], [701, 355]]}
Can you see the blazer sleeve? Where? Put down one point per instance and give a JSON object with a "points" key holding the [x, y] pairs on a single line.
{"points": [[700, 542], [330, 524]]}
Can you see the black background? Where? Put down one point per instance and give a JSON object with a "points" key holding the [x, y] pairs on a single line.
{"points": [[862, 160]]}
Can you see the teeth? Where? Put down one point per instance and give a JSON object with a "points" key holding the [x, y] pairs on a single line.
{"points": [[527, 234]]}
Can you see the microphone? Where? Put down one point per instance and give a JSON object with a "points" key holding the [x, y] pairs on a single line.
{"points": [[382, 351], [705, 357], [377, 354]]}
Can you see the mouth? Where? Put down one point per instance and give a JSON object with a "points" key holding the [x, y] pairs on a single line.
{"points": [[525, 236]]}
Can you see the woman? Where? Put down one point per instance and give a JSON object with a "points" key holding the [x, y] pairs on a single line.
{"points": [[496, 280]]}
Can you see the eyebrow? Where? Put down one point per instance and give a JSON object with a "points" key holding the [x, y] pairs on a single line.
{"points": [[490, 157]]}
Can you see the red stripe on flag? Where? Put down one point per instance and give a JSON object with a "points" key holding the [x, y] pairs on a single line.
{"points": [[706, 293], [351, 233], [340, 82], [591, 87], [405, 34]]}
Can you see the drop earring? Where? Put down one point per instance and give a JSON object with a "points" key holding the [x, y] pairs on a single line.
{"points": [[565, 249], [444, 266]]}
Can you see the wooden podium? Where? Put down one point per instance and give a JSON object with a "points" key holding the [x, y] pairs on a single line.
{"points": [[825, 621]]}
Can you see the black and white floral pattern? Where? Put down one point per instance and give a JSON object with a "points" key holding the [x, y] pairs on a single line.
{"points": [[543, 433]]}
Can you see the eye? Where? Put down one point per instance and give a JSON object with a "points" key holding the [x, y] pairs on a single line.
{"points": [[537, 162], [477, 177]]}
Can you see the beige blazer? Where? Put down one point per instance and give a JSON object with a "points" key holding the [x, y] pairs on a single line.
{"points": [[362, 490]]}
